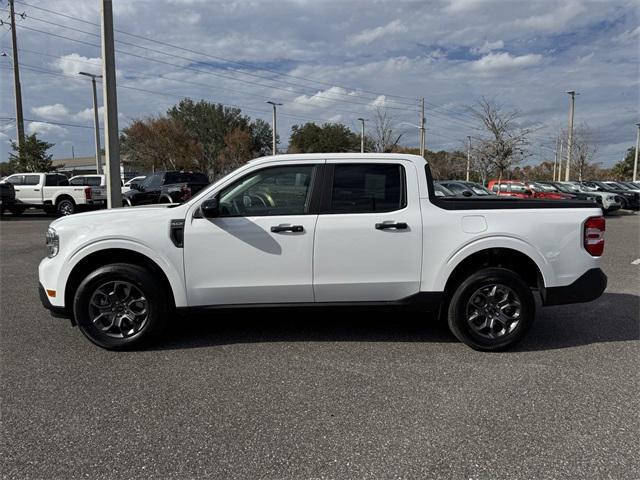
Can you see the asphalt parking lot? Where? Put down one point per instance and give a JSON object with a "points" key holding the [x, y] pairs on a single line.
{"points": [[242, 395]]}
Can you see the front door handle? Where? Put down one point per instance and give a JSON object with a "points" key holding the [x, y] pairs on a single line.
{"points": [[397, 226], [287, 228]]}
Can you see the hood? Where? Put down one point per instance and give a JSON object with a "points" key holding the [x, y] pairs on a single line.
{"points": [[127, 214]]}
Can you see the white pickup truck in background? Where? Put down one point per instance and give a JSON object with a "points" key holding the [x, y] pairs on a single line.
{"points": [[53, 193], [325, 230]]}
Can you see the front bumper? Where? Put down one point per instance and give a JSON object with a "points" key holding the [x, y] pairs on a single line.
{"points": [[586, 288], [58, 312]]}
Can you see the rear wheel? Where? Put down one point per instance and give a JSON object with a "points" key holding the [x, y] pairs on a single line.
{"points": [[491, 310], [120, 306], [65, 207]]}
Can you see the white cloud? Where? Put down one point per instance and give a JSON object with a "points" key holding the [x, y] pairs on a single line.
{"points": [[371, 34], [321, 99], [58, 111], [73, 63], [86, 115], [504, 61], [51, 112], [459, 6], [553, 20], [488, 47], [380, 101], [42, 128]]}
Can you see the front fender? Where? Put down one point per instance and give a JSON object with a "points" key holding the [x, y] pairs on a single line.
{"points": [[174, 273]]}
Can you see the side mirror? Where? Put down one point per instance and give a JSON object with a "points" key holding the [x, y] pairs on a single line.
{"points": [[210, 208], [135, 186], [467, 193]]}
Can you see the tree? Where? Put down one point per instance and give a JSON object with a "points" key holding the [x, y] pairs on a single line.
{"points": [[210, 123], [384, 136], [503, 144], [160, 142], [623, 170], [31, 156], [237, 150], [330, 137], [584, 150]]}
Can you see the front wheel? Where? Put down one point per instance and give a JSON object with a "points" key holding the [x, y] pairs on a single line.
{"points": [[491, 310], [120, 306]]}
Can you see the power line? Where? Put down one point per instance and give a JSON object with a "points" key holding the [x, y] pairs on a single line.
{"points": [[227, 60], [325, 95]]}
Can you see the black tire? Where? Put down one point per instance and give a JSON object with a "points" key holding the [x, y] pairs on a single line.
{"points": [[152, 290], [623, 203], [65, 206], [17, 211], [463, 306]]}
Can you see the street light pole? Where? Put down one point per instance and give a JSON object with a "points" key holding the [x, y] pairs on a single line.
{"points": [[468, 155], [96, 123], [111, 140], [560, 159], [422, 139], [555, 160], [570, 139], [362, 120], [635, 163], [274, 129]]}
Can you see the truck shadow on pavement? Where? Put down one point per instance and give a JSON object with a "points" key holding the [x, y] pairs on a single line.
{"points": [[612, 318]]}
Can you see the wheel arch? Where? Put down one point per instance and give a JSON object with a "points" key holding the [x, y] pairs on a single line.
{"points": [[505, 257], [110, 255], [63, 196]]}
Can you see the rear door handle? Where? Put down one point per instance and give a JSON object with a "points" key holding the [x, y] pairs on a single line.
{"points": [[397, 226], [287, 228]]}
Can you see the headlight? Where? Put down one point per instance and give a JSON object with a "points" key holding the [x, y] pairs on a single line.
{"points": [[53, 242]]}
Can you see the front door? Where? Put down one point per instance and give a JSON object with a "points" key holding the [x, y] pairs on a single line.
{"points": [[368, 245], [260, 248]]}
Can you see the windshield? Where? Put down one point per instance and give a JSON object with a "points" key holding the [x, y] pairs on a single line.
{"points": [[619, 186], [543, 187]]}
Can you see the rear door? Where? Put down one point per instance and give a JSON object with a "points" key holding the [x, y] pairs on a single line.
{"points": [[368, 244], [31, 189]]}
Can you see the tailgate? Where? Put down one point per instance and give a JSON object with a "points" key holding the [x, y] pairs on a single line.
{"points": [[98, 193]]}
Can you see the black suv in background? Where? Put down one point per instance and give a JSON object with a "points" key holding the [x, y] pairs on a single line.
{"points": [[8, 197], [165, 187], [628, 198]]}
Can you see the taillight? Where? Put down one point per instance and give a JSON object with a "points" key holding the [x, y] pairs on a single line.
{"points": [[594, 235], [87, 193]]}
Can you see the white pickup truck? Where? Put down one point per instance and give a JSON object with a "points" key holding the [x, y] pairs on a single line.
{"points": [[53, 193], [324, 230]]}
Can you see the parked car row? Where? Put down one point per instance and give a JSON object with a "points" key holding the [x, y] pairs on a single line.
{"points": [[609, 195], [56, 194]]}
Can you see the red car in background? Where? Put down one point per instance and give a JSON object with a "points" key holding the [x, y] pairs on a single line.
{"points": [[519, 189]]}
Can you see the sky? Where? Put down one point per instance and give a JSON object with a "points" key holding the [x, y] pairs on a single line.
{"points": [[327, 60]]}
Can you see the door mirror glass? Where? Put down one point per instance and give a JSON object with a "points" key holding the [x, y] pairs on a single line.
{"points": [[210, 209], [467, 193]]}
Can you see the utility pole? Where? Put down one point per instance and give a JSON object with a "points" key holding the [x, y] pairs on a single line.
{"points": [[635, 163], [362, 120], [16, 78], [555, 160], [422, 139], [560, 159], [469, 155], [572, 104], [274, 149], [111, 140], [96, 122]]}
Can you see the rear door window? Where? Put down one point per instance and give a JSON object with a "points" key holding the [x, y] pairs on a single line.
{"points": [[368, 188], [31, 180]]}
